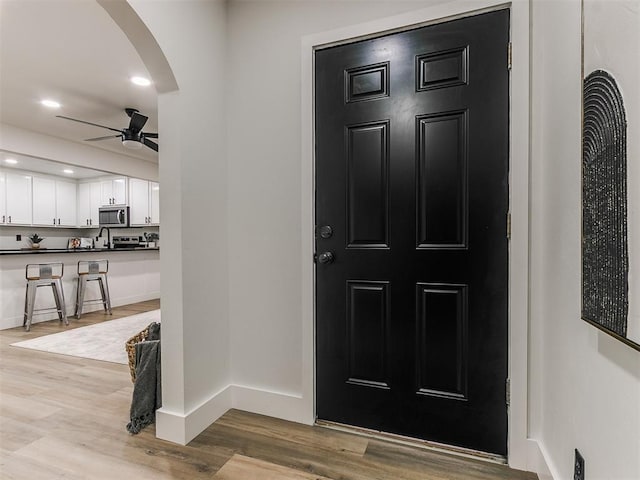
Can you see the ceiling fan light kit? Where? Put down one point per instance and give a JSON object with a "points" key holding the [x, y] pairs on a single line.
{"points": [[132, 144], [132, 137]]}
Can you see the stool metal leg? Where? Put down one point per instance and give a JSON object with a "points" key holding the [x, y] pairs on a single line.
{"points": [[56, 297], [26, 304], [57, 286], [81, 287], [77, 297], [104, 289], [31, 300]]}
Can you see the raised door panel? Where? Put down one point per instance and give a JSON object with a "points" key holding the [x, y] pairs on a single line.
{"points": [[3, 198], [19, 201], [154, 206], [66, 205], [44, 201], [138, 201]]}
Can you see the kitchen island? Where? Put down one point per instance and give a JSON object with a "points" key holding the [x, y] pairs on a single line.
{"points": [[134, 276]]}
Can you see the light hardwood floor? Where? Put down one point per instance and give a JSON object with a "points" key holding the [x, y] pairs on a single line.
{"points": [[65, 417]]}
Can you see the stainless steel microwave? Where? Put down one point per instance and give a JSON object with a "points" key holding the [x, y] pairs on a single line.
{"points": [[113, 216]]}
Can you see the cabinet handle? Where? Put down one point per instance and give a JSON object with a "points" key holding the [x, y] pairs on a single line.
{"points": [[58, 221], [9, 218], [54, 221], [91, 221], [2, 218]]}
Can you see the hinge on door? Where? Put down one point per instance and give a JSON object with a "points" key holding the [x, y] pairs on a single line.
{"points": [[508, 392], [509, 55], [509, 226]]}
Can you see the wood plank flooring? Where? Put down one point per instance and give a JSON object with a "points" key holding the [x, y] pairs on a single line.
{"points": [[65, 417]]}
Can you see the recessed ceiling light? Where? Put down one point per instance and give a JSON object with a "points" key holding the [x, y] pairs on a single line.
{"points": [[50, 103], [68, 170], [11, 161], [143, 82]]}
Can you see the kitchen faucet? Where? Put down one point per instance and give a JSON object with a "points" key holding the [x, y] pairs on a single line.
{"points": [[108, 236]]}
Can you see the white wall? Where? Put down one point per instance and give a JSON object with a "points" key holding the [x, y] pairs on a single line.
{"points": [[584, 385], [265, 229], [193, 174]]}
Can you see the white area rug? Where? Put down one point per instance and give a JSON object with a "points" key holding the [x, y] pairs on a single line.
{"points": [[101, 341]]}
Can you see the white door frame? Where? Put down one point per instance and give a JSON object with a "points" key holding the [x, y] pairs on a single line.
{"points": [[520, 453]]}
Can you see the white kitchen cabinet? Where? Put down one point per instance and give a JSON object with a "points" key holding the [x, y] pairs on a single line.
{"points": [[154, 203], [54, 202], [66, 203], [3, 198], [18, 202], [44, 201], [89, 201], [144, 202], [114, 191]]}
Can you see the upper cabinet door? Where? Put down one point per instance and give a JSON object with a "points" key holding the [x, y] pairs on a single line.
{"points": [[89, 201], [106, 188], [114, 191], [44, 201], [66, 203], [18, 198], [154, 203], [138, 201], [3, 199], [84, 204], [120, 191], [94, 197]]}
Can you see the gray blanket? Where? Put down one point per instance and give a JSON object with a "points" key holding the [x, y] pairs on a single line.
{"points": [[147, 392]]}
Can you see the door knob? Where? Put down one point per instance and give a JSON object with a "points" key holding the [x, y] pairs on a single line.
{"points": [[325, 257]]}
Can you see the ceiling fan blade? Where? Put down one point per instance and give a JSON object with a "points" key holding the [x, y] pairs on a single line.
{"points": [[150, 135], [88, 123], [150, 144], [102, 138], [137, 122]]}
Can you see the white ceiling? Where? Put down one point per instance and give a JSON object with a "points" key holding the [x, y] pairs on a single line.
{"points": [[73, 52], [40, 165]]}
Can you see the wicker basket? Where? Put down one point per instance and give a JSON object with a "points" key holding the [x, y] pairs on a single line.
{"points": [[130, 347]]}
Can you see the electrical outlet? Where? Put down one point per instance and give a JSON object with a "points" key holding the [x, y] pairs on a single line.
{"points": [[578, 466], [18, 238]]}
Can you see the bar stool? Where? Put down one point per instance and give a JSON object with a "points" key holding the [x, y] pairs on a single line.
{"points": [[44, 275], [88, 271]]}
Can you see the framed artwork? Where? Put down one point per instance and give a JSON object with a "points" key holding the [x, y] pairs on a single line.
{"points": [[611, 167]]}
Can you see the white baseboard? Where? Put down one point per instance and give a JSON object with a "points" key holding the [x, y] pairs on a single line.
{"points": [[294, 408], [182, 428], [539, 461]]}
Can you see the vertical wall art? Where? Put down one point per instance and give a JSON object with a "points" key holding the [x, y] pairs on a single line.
{"points": [[610, 164]]}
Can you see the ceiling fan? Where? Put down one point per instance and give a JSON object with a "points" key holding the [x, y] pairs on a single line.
{"points": [[132, 137]]}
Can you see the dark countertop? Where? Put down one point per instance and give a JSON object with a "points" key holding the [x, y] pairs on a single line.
{"points": [[40, 251]]}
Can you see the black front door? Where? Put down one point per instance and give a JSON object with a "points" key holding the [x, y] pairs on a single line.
{"points": [[411, 205]]}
